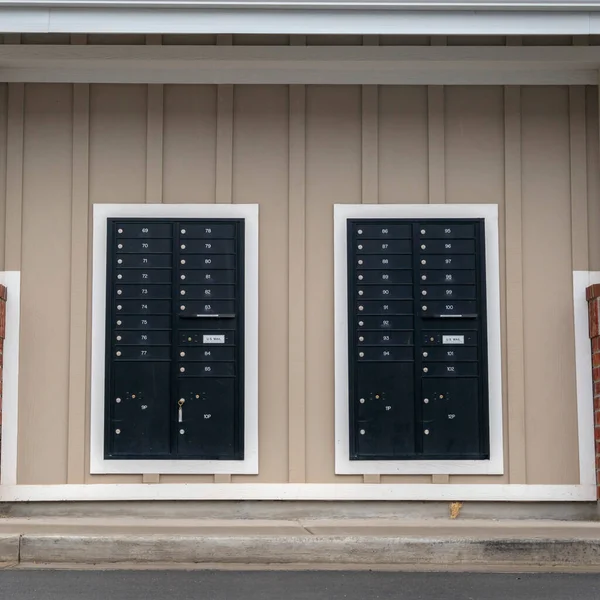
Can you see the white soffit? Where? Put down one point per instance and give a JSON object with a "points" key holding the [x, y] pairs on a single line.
{"points": [[359, 17]]}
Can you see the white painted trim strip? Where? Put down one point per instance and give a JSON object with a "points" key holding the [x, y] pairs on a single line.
{"points": [[100, 465], [10, 372], [583, 368], [303, 491], [365, 19], [489, 212]]}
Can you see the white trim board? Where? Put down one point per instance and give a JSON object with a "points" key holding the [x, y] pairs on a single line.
{"points": [[331, 18], [489, 212], [10, 373], [249, 465], [301, 492]]}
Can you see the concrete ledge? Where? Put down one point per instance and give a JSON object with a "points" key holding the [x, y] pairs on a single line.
{"points": [[9, 548], [309, 550]]}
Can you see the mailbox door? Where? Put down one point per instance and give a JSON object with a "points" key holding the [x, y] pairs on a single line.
{"points": [[417, 339], [175, 339]]}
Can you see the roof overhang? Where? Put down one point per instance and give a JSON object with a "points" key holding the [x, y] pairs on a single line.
{"points": [[360, 17]]}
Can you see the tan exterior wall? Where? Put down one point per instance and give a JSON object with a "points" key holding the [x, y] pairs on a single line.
{"points": [[296, 151]]}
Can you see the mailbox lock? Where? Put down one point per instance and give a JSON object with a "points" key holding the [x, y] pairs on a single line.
{"points": [[182, 307], [360, 247], [118, 353], [181, 402], [360, 339], [425, 370], [119, 276], [425, 354], [118, 338], [183, 246], [376, 396], [360, 307], [182, 354], [120, 246], [182, 431], [119, 322], [133, 396], [426, 432], [120, 261], [182, 277], [182, 369], [423, 232], [118, 400], [182, 261], [424, 293], [360, 292], [182, 292], [361, 354], [120, 231], [423, 262], [360, 277], [360, 262], [360, 232], [423, 247], [441, 396], [117, 431], [183, 232], [361, 323], [424, 307], [362, 400], [119, 292], [424, 277], [426, 401], [362, 432]]}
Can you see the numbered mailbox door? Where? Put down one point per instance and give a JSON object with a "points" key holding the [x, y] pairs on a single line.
{"points": [[175, 339], [417, 353]]}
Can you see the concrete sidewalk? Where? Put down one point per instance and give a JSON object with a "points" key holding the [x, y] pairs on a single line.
{"points": [[316, 543]]}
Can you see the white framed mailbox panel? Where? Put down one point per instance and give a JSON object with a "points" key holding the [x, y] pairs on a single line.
{"points": [[343, 465], [102, 212]]}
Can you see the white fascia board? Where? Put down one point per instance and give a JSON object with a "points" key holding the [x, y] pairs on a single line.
{"points": [[330, 18]]}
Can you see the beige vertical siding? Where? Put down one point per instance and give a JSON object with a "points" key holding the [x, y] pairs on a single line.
{"points": [[297, 151]]}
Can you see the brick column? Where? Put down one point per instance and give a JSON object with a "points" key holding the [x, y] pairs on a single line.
{"points": [[593, 297]]}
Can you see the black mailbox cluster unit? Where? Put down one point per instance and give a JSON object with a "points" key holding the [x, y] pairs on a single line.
{"points": [[417, 339], [175, 339]]}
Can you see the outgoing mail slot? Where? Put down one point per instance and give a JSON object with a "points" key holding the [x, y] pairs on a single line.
{"points": [[384, 231], [206, 231], [446, 292], [144, 261], [384, 247], [385, 323], [449, 309], [388, 277], [202, 369], [148, 246], [156, 292], [207, 353], [455, 261], [450, 353], [144, 230], [383, 292], [385, 338], [397, 261], [207, 277], [208, 338], [203, 261], [394, 307], [444, 369], [446, 230], [449, 338], [143, 338], [393, 353], [207, 246], [143, 276], [212, 307], [447, 246], [201, 292], [448, 277], [144, 307], [145, 353], [143, 323]]}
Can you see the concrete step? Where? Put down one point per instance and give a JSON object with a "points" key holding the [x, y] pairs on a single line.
{"points": [[316, 543]]}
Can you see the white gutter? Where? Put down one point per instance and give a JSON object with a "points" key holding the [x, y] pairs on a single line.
{"points": [[331, 17]]}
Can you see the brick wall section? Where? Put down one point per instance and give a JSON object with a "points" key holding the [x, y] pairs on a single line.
{"points": [[593, 297]]}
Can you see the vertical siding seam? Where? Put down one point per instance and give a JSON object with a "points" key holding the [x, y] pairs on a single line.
{"points": [[436, 142], [79, 281], [224, 150], [578, 171], [154, 135], [517, 462], [14, 176], [370, 136], [297, 281]]}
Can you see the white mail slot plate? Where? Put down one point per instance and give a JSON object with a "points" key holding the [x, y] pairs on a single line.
{"points": [[453, 339], [213, 339]]}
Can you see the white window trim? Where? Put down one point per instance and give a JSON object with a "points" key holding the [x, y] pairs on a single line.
{"points": [[249, 465], [343, 464]]}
